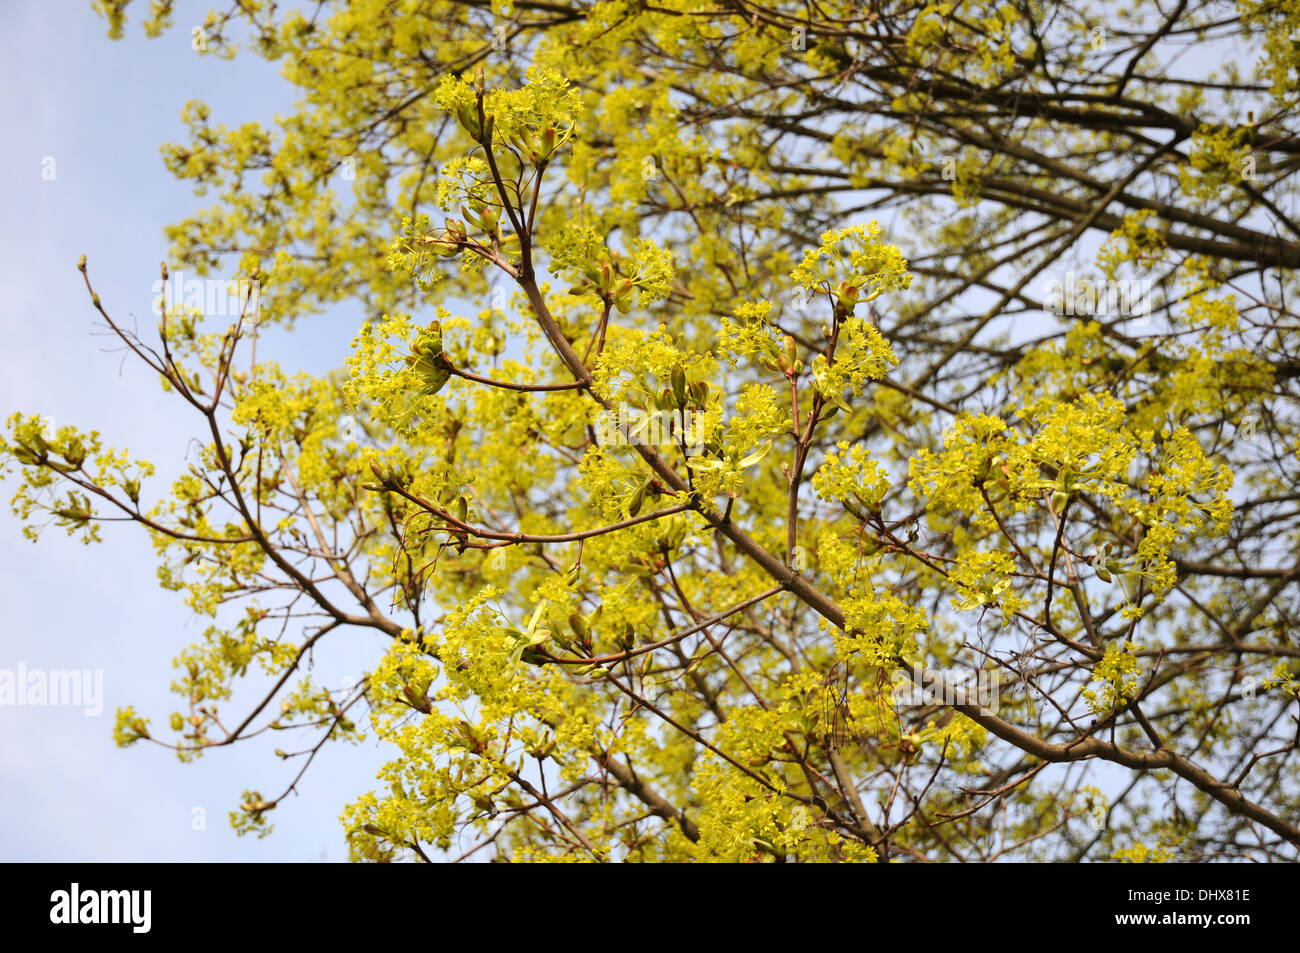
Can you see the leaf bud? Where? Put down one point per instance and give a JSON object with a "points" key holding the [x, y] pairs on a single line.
{"points": [[679, 385]]}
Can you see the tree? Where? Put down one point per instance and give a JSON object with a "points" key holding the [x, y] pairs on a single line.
{"points": [[875, 438]]}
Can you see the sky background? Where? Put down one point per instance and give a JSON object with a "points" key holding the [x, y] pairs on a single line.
{"points": [[101, 109]]}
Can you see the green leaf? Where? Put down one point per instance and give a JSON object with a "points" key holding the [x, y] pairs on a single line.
{"points": [[756, 456]]}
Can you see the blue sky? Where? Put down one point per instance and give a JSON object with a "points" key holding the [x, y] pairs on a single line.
{"points": [[100, 110]]}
